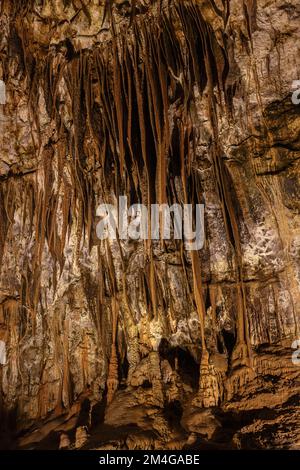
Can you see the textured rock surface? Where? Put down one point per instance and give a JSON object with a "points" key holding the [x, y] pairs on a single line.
{"points": [[137, 345]]}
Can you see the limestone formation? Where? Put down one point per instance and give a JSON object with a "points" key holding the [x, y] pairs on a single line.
{"points": [[64, 442], [143, 344], [81, 437]]}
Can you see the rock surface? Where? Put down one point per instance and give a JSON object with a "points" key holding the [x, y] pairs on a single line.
{"points": [[144, 345]]}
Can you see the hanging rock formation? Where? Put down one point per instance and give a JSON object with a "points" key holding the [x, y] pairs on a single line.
{"points": [[143, 344]]}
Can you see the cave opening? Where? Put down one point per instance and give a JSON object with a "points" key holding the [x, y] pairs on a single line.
{"points": [[123, 373], [220, 345], [146, 384], [182, 360], [173, 413], [83, 418], [98, 413], [8, 426], [229, 340]]}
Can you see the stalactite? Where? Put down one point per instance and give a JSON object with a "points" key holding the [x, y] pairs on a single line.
{"points": [[5, 222], [242, 352], [196, 269], [243, 349], [113, 368], [118, 103], [132, 134], [124, 111], [152, 286]]}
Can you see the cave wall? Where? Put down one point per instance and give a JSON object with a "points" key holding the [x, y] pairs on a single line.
{"points": [[164, 101]]}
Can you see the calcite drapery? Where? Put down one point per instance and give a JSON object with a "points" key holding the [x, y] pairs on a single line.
{"points": [[164, 101]]}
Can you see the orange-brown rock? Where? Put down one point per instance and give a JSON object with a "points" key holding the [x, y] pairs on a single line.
{"points": [[135, 344]]}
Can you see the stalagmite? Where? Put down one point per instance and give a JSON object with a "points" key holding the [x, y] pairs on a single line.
{"points": [[113, 368], [64, 442], [81, 436]]}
